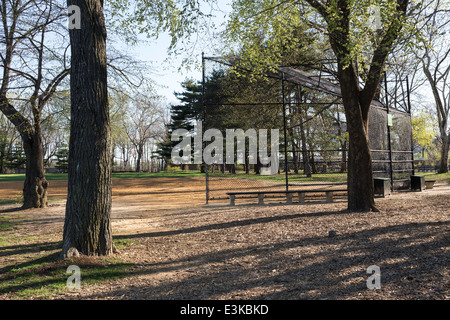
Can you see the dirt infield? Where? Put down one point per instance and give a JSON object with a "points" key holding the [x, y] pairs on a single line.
{"points": [[156, 193], [165, 192], [182, 248]]}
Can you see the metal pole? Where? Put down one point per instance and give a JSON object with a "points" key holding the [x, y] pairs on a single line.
{"points": [[285, 131], [203, 127], [389, 133], [409, 111]]}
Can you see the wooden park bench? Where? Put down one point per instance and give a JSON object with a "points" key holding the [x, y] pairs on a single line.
{"points": [[289, 194]]}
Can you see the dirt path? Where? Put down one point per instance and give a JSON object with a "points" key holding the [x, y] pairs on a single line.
{"points": [[135, 201]]}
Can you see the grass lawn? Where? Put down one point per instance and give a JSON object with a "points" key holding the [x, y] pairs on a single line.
{"points": [[39, 272], [45, 274], [441, 177], [8, 201], [115, 175], [21, 176], [329, 177]]}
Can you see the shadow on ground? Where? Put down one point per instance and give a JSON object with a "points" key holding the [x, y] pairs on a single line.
{"points": [[413, 259]]}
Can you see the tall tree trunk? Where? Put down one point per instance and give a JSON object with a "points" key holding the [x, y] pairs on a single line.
{"points": [[139, 158], [443, 115], [294, 150], [125, 158], [344, 156], [35, 186], [443, 164], [257, 166], [2, 156], [312, 161], [87, 225], [305, 155], [360, 176], [247, 164], [295, 156], [357, 101], [343, 143]]}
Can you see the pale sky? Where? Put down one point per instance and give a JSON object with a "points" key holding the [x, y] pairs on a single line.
{"points": [[166, 74]]}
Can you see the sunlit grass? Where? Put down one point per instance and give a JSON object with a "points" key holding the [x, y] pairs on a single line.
{"points": [[441, 177], [48, 275], [38, 272]]}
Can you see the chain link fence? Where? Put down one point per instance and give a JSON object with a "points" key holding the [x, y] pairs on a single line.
{"points": [[306, 110]]}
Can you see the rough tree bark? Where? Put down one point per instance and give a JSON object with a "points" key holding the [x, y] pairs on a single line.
{"points": [[87, 225], [140, 151], [360, 176], [443, 164], [357, 100], [35, 186], [14, 13], [442, 110]]}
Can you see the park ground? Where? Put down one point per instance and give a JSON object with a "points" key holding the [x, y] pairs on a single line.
{"points": [[174, 246]]}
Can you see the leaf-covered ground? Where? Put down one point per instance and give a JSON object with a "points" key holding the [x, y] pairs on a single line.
{"points": [[183, 249]]}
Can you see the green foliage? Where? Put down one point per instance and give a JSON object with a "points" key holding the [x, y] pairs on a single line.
{"points": [[182, 115], [17, 158], [173, 169], [191, 108], [423, 130], [62, 158], [4, 152], [118, 103], [179, 18], [265, 34]]}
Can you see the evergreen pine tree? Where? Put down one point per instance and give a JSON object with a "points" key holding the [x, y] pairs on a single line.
{"points": [[62, 158]]}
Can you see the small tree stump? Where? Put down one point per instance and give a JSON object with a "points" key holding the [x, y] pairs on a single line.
{"points": [[72, 252]]}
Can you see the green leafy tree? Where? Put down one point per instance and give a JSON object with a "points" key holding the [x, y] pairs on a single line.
{"points": [[359, 44], [423, 130]]}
